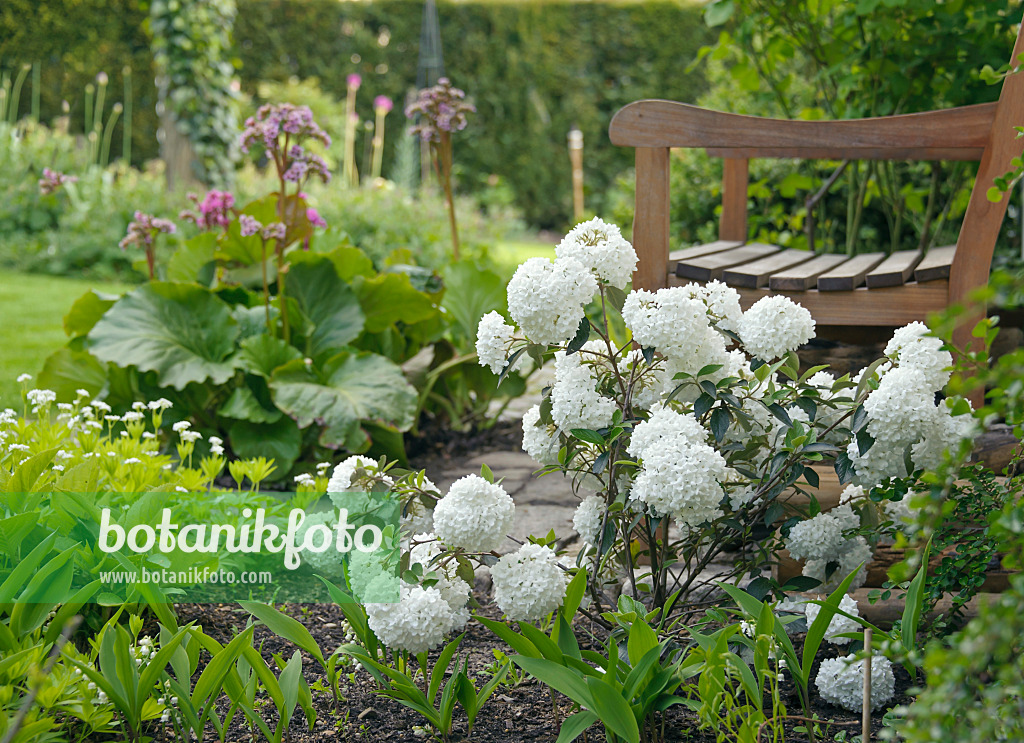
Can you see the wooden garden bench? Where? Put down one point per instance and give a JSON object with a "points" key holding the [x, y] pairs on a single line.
{"points": [[864, 290]]}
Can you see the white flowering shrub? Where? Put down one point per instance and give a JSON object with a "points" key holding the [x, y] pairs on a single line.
{"points": [[684, 420]]}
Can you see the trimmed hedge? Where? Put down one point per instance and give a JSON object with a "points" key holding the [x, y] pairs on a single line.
{"points": [[533, 69]]}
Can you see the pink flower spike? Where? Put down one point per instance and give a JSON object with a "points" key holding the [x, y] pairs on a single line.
{"points": [[383, 104], [354, 80]]}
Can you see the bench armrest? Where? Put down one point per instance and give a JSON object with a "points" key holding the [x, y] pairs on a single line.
{"points": [[951, 134]]}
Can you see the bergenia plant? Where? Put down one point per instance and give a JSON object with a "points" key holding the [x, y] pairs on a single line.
{"points": [[439, 112], [284, 132], [142, 232]]}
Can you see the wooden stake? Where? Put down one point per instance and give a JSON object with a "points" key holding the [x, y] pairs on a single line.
{"points": [[865, 734]]}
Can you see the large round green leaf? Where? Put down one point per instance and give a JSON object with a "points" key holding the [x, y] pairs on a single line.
{"points": [[326, 301], [348, 388], [66, 371], [182, 332], [280, 441], [390, 298]]}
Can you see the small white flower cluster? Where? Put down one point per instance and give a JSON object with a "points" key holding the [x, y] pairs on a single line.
{"points": [[840, 681], [839, 624], [602, 249], [587, 519], [546, 299], [169, 701], [493, 341], [774, 326], [528, 583], [474, 515], [902, 411]]}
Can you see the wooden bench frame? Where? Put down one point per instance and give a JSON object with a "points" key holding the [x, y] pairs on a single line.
{"points": [[982, 132]]}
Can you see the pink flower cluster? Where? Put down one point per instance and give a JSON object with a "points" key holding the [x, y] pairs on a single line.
{"points": [[213, 212], [249, 225], [383, 104], [52, 180], [144, 229], [441, 108], [280, 128]]}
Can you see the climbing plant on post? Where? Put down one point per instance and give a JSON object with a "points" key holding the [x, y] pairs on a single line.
{"points": [[191, 47]]}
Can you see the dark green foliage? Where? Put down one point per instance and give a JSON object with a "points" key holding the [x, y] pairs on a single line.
{"points": [[533, 69], [73, 41]]}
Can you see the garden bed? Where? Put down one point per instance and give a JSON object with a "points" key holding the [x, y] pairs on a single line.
{"points": [[516, 714]]}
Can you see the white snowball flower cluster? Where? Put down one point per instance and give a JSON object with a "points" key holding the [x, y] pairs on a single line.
{"points": [[344, 479], [665, 424], [819, 541], [902, 412], [852, 552], [417, 623], [587, 519], [912, 346], [539, 439], [454, 590], [493, 342], [774, 326], [840, 624], [722, 302], [475, 515], [601, 248], [575, 402], [840, 681], [682, 479], [818, 538], [528, 584], [900, 511], [669, 320], [546, 299]]}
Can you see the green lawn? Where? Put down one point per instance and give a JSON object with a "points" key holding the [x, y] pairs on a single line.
{"points": [[33, 309], [510, 253]]}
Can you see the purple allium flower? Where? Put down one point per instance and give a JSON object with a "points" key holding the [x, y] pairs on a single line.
{"points": [[314, 218], [383, 104], [52, 180], [354, 80], [441, 108]]}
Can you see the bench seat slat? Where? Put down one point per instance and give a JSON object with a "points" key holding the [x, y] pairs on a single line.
{"points": [[755, 274], [894, 270], [849, 275], [686, 254], [805, 275], [709, 267], [936, 264]]}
